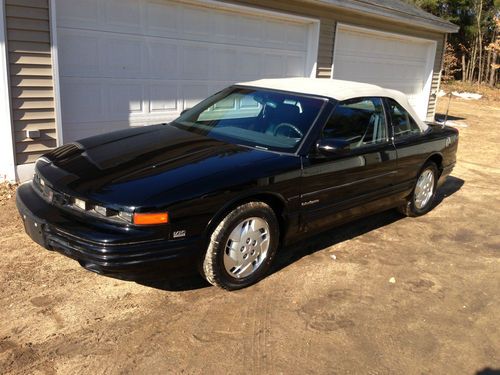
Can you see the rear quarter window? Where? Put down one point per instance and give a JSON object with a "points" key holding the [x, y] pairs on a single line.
{"points": [[403, 125]]}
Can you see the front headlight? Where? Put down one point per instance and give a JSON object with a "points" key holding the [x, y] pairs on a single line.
{"points": [[82, 205], [126, 216]]}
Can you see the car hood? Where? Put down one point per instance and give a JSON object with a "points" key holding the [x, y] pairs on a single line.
{"points": [[147, 166]]}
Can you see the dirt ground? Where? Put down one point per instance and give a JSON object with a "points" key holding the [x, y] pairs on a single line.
{"points": [[382, 295]]}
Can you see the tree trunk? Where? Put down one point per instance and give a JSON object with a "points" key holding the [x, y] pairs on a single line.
{"points": [[464, 68], [472, 63], [487, 66], [480, 42], [493, 73]]}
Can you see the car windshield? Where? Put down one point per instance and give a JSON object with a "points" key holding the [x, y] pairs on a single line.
{"points": [[257, 118]]}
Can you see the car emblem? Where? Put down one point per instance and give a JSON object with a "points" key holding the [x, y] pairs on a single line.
{"points": [[179, 234]]}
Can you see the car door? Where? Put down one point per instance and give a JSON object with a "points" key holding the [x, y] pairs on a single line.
{"points": [[411, 146], [333, 184]]}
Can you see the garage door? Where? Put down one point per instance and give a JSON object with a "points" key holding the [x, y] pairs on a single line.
{"points": [[389, 60], [137, 62]]}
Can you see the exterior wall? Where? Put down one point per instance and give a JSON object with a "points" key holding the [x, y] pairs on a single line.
{"points": [[31, 77], [31, 69], [329, 18]]}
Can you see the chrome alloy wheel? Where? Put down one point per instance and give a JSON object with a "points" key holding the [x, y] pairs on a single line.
{"points": [[247, 247], [424, 189]]}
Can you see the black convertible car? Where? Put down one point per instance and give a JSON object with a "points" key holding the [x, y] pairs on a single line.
{"points": [[253, 167]]}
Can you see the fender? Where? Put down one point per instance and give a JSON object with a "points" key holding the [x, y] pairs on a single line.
{"points": [[254, 195]]}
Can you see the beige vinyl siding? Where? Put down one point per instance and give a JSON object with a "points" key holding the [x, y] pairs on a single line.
{"points": [[330, 17], [436, 79], [31, 77], [325, 49]]}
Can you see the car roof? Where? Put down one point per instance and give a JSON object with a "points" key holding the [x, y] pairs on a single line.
{"points": [[335, 89]]}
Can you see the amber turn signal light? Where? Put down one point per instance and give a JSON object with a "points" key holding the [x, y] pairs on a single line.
{"points": [[151, 219]]}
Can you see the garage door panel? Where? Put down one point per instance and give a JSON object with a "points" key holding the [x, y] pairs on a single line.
{"points": [[194, 61], [197, 23], [275, 33], [378, 55], [123, 57], [162, 58], [78, 13], [274, 65], [83, 130], [122, 14], [193, 93], [383, 69], [125, 100], [296, 38], [80, 53], [225, 28], [162, 18], [250, 30], [223, 63], [248, 65], [295, 65], [83, 100], [164, 97]]}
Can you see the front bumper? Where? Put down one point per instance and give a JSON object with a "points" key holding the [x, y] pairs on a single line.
{"points": [[123, 252]]}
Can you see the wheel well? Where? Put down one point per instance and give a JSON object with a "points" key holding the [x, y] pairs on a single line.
{"points": [[438, 160], [276, 204]]}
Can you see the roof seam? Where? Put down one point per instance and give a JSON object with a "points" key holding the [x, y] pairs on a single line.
{"points": [[437, 19], [377, 9]]}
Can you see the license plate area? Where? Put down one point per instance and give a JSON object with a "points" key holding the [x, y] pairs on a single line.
{"points": [[35, 230]]}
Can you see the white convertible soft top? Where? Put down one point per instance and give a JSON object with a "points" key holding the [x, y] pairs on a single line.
{"points": [[335, 89]]}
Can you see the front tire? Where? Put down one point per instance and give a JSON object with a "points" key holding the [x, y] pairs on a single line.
{"points": [[242, 247], [422, 197]]}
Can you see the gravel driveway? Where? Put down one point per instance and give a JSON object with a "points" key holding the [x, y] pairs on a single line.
{"points": [[385, 294]]}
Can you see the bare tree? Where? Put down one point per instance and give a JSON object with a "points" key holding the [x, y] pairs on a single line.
{"points": [[494, 49]]}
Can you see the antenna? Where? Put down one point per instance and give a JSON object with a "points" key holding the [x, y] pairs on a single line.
{"points": [[447, 110]]}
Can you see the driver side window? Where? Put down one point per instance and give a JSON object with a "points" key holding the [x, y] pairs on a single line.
{"points": [[360, 122]]}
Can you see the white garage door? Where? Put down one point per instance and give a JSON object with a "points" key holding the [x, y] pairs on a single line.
{"points": [[389, 60], [136, 62]]}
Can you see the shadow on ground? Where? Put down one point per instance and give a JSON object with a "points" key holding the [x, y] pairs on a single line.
{"points": [[354, 229], [292, 254], [442, 116], [488, 371]]}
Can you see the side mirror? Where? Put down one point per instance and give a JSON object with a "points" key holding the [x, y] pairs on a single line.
{"points": [[185, 110], [332, 147]]}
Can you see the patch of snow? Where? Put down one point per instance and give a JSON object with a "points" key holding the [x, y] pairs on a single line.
{"points": [[441, 93], [467, 95]]}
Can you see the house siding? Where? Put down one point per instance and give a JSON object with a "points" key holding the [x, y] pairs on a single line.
{"points": [[31, 77]]}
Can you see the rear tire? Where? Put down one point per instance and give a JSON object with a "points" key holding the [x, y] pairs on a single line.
{"points": [[421, 199], [242, 247]]}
